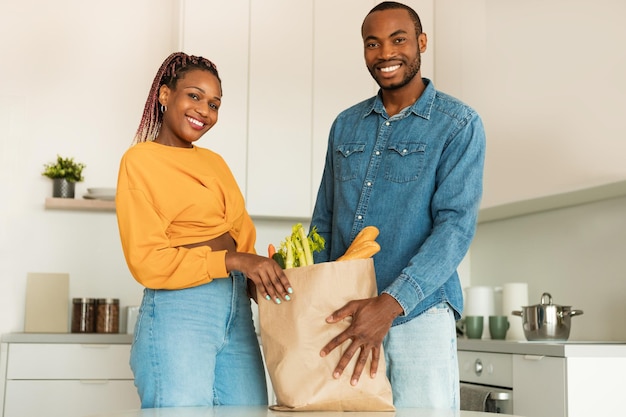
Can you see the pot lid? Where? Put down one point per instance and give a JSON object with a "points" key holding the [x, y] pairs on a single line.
{"points": [[546, 300]]}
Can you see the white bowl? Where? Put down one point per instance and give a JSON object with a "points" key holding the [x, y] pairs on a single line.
{"points": [[101, 191]]}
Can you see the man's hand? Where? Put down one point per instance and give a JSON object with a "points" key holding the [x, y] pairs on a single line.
{"points": [[371, 320]]}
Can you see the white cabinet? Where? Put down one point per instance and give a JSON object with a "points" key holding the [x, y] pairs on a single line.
{"points": [[539, 386], [287, 68], [218, 30], [279, 113], [568, 387], [340, 78], [65, 379]]}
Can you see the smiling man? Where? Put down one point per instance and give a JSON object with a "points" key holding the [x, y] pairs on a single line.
{"points": [[410, 162]]}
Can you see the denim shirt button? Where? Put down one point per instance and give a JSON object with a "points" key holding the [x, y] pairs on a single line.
{"points": [[387, 123], [369, 183], [377, 153], [359, 217], [404, 151]]}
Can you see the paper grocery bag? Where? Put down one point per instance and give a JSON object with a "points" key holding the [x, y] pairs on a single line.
{"points": [[294, 332]]}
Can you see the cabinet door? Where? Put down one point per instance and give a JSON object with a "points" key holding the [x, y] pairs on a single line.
{"points": [[539, 386], [340, 77], [280, 110], [68, 398], [595, 386], [219, 30]]}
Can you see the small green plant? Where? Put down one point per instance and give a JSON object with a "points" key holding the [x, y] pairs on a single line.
{"points": [[64, 168]]}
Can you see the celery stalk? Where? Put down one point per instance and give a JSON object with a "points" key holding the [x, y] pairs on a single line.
{"points": [[308, 256], [300, 259], [289, 258]]}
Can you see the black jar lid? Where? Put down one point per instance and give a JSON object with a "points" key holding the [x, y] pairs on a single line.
{"points": [[83, 300], [108, 301]]}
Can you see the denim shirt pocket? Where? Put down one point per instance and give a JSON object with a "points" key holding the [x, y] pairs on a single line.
{"points": [[404, 161], [348, 160]]}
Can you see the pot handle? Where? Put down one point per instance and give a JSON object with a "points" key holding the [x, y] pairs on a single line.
{"points": [[519, 313], [573, 313], [546, 296]]}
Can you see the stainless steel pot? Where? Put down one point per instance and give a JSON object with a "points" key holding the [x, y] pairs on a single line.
{"points": [[547, 321]]}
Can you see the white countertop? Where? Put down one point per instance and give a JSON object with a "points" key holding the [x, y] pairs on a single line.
{"points": [[265, 412], [86, 338], [567, 349], [557, 349]]}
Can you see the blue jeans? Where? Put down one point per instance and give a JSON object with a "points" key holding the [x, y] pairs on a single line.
{"points": [[421, 360], [198, 347]]}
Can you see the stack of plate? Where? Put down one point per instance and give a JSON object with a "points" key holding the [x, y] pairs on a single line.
{"points": [[100, 194]]}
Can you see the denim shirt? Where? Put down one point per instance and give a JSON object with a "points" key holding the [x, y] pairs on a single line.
{"points": [[417, 176]]}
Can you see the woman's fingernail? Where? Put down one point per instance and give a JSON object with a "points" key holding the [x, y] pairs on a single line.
{"points": [[287, 298], [290, 290], [277, 300], [267, 297]]}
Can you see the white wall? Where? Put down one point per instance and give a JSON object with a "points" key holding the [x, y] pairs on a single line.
{"points": [[577, 254], [74, 77]]}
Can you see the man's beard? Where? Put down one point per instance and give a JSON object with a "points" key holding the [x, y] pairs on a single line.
{"points": [[413, 69]]}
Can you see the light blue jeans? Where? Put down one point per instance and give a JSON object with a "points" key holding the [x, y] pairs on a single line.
{"points": [[198, 347], [421, 360]]}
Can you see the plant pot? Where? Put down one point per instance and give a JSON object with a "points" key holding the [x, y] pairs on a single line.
{"points": [[62, 188]]}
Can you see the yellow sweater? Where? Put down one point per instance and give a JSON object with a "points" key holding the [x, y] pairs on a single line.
{"points": [[168, 197]]}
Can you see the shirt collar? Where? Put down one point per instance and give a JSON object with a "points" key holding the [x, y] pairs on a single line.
{"points": [[422, 107]]}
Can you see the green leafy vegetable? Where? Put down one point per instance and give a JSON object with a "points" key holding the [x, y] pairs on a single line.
{"points": [[298, 248]]}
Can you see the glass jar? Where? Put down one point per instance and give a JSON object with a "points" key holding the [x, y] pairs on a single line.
{"points": [[107, 315], [83, 315]]}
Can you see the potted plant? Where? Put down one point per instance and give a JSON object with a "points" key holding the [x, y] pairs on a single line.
{"points": [[65, 173]]}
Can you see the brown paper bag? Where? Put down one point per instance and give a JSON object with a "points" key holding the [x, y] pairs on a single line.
{"points": [[294, 332]]}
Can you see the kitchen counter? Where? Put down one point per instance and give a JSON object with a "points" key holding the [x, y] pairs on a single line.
{"points": [[569, 349], [265, 412], [86, 338]]}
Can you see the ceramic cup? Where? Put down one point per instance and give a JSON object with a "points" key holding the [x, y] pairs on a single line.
{"points": [[498, 326], [474, 327]]}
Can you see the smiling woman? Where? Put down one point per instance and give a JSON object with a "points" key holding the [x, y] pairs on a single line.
{"points": [[188, 239]]}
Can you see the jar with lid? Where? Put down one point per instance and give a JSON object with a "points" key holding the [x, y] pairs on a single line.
{"points": [[83, 315], [107, 315]]}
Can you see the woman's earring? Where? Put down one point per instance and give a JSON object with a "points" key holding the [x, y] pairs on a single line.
{"points": [[163, 108]]}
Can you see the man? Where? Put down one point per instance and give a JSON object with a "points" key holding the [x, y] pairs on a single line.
{"points": [[410, 162]]}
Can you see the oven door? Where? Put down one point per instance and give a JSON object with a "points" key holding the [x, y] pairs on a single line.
{"points": [[486, 381], [475, 397]]}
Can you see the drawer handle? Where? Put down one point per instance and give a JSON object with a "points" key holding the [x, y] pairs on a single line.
{"points": [[535, 358], [95, 346]]}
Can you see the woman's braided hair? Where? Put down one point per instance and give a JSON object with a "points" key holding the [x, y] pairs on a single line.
{"points": [[173, 69]]}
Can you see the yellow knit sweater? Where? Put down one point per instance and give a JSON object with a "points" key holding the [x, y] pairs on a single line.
{"points": [[168, 197]]}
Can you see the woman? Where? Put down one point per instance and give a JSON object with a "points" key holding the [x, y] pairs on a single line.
{"points": [[188, 239]]}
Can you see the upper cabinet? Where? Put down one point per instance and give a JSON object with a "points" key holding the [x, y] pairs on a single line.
{"points": [[279, 111], [219, 30], [287, 69], [548, 80]]}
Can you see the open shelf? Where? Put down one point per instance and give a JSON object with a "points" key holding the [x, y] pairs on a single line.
{"points": [[79, 204], [505, 211]]}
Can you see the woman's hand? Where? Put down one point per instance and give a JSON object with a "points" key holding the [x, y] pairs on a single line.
{"points": [[265, 273]]}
